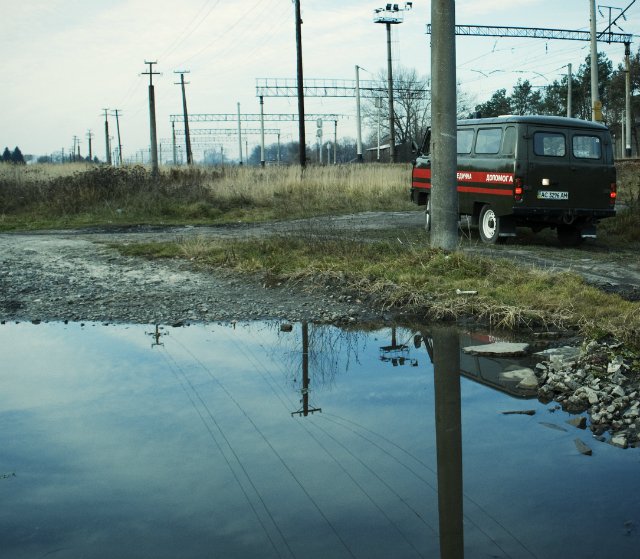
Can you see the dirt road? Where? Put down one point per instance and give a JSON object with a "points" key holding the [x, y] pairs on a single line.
{"points": [[73, 275]]}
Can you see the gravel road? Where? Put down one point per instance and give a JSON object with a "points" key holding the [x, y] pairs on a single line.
{"points": [[73, 275]]}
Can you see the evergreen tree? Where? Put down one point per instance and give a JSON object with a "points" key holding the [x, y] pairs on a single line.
{"points": [[499, 104], [6, 156], [17, 157]]}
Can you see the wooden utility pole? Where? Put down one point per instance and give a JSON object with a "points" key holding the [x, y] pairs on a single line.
{"points": [[152, 117], [187, 137], [106, 137], [301, 134], [444, 193], [117, 115], [89, 136]]}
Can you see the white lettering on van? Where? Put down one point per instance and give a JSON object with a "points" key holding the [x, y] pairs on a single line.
{"points": [[494, 177], [462, 176]]}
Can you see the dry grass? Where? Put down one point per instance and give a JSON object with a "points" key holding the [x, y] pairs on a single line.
{"points": [[37, 195], [423, 281]]}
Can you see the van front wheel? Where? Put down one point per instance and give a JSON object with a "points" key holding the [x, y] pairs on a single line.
{"points": [[427, 215], [489, 225]]}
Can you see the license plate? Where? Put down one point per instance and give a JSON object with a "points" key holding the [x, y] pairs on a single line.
{"points": [[552, 195]]}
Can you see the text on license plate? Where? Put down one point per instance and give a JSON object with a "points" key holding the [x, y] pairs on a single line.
{"points": [[552, 195]]}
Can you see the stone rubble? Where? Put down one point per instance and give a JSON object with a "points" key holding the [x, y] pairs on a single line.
{"points": [[601, 379]]}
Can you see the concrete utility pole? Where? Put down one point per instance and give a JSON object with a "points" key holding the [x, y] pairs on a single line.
{"points": [[444, 193], [106, 137], [392, 125], [596, 105], [335, 142], [152, 118], [239, 135], [301, 134], [569, 92], [73, 149], [187, 139], [117, 115], [390, 15], [358, 117], [173, 139], [627, 88], [262, 162]]}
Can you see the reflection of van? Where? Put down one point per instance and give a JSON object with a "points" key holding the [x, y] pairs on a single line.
{"points": [[528, 171]]}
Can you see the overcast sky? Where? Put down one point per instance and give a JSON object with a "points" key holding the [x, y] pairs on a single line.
{"points": [[65, 60]]}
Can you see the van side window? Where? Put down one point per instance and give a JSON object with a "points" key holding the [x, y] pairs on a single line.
{"points": [[586, 147], [465, 140], [551, 144], [488, 140], [509, 141]]}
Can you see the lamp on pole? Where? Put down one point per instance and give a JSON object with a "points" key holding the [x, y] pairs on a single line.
{"points": [[391, 14]]}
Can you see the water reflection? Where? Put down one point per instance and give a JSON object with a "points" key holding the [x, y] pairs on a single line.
{"points": [[446, 365], [189, 448]]}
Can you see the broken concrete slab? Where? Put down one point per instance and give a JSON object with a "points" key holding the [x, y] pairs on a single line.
{"points": [[499, 349]]}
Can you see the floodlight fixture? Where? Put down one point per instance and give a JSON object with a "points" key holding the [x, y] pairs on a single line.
{"points": [[391, 13]]}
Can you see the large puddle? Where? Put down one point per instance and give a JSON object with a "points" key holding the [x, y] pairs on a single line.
{"points": [[237, 441]]}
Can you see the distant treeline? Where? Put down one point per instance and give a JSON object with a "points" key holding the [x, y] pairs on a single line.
{"points": [[14, 156]]}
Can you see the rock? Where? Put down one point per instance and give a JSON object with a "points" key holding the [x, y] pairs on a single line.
{"points": [[286, 327], [618, 391], [499, 349], [592, 395], [619, 441], [566, 353], [579, 422], [583, 448]]}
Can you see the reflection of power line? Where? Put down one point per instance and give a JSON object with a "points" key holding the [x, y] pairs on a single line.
{"points": [[176, 367], [305, 410]]}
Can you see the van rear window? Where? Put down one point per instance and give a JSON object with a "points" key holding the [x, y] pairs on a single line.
{"points": [[550, 144], [587, 147]]}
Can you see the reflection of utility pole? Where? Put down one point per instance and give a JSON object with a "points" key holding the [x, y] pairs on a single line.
{"points": [[156, 334], [305, 410], [446, 369]]}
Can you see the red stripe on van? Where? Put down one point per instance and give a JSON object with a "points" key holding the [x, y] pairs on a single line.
{"points": [[471, 189], [470, 176]]}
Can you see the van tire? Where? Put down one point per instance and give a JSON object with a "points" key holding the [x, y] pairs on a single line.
{"points": [[427, 215], [489, 225], [569, 235]]}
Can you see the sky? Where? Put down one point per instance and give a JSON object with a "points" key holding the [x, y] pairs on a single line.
{"points": [[64, 61]]}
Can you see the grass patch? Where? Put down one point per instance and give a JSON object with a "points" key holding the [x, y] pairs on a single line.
{"points": [[422, 280], [39, 196]]}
